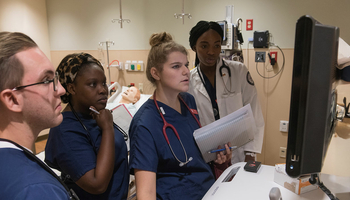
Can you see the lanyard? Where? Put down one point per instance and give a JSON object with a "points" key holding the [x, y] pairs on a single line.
{"points": [[212, 95]]}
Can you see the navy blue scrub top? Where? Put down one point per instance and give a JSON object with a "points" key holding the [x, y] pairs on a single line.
{"points": [[73, 151], [21, 177], [149, 151]]}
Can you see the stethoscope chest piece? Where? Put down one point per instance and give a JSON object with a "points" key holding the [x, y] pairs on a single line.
{"points": [[181, 164], [215, 111]]}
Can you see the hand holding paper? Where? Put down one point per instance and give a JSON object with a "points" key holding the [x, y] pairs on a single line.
{"points": [[217, 150], [238, 128]]}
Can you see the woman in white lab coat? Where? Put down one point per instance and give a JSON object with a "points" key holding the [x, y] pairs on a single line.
{"points": [[222, 87]]}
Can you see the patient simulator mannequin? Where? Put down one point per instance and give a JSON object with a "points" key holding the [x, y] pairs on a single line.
{"points": [[131, 95], [129, 98]]}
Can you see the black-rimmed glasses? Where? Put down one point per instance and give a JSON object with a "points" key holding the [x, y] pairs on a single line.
{"points": [[54, 81]]}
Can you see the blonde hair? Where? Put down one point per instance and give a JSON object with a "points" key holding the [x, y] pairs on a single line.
{"points": [[162, 45]]}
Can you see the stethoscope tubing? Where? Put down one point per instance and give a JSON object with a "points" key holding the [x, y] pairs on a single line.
{"points": [[167, 125], [221, 74]]}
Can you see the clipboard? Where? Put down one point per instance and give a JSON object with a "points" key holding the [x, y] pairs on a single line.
{"points": [[238, 128], [122, 117]]}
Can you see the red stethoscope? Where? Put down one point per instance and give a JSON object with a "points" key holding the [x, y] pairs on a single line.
{"points": [[167, 125]]}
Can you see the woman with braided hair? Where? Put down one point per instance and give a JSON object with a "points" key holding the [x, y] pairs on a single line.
{"points": [[221, 87], [86, 147]]}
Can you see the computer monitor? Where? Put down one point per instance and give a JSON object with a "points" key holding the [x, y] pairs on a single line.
{"points": [[312, 117]]}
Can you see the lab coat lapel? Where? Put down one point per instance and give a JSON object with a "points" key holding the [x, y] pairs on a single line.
{"points": [[200, 87]]}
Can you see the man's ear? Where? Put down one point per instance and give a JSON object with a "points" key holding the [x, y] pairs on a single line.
{"points": [[71, 88], [11, 100], [155, 73]]}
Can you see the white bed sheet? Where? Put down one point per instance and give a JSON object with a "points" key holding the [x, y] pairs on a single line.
{"points": [[138, 104], [122, 119]]}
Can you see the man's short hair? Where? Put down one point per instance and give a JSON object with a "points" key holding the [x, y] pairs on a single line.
{"points": [[11, 69]]}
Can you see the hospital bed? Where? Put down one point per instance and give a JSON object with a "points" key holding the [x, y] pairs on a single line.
{"points": [[122, 116], [123, 113], [116, 96]]}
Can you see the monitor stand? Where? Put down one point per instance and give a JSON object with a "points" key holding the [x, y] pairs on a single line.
{"points": [[315, 180]]}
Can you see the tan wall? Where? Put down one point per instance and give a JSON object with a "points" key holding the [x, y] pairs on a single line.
{"points": [[274, 97]]}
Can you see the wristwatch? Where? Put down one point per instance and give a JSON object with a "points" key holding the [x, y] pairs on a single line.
{"points": [[250, 154]]}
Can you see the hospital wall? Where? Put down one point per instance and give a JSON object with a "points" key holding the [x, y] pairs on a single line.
{"points": [[29, 17], [79, 26]]}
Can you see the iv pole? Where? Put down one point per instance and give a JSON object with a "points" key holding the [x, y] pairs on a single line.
{"points": [[183, 14], [107, 45], [121, 20]]}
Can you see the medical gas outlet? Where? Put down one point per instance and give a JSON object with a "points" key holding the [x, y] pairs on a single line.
{"points": [[116, 64], [260, 56], [134, 65]]}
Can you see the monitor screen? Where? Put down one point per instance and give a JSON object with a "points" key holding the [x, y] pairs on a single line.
{"points": [[313, 96], [223, 25]]}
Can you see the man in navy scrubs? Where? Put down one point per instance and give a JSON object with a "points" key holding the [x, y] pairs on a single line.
{"points": [[29, 103]]}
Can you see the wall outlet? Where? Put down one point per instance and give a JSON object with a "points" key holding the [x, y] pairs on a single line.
{"points": [[284, 126], [141, 87], [127, 65], [283, 152], [260, 56], [121, 66], [249, 25], [274, 55]]}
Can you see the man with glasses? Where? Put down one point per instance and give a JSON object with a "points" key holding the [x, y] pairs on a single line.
{"points": [[29, 103]]}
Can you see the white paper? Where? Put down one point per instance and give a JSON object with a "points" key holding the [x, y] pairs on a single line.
{"points": [[122, 117], [238, 128]]}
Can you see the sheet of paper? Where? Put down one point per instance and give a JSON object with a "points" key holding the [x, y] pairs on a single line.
{"points": [[122, 117], [238, 128]]}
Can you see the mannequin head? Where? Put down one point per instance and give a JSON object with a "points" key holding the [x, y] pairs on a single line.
{"points": [[131, 95]]}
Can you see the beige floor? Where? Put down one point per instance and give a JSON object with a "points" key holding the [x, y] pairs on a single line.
{"points": [[40, 146]]}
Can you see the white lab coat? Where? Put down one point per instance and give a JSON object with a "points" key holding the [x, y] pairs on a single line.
{"points": [[244, 93]]}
